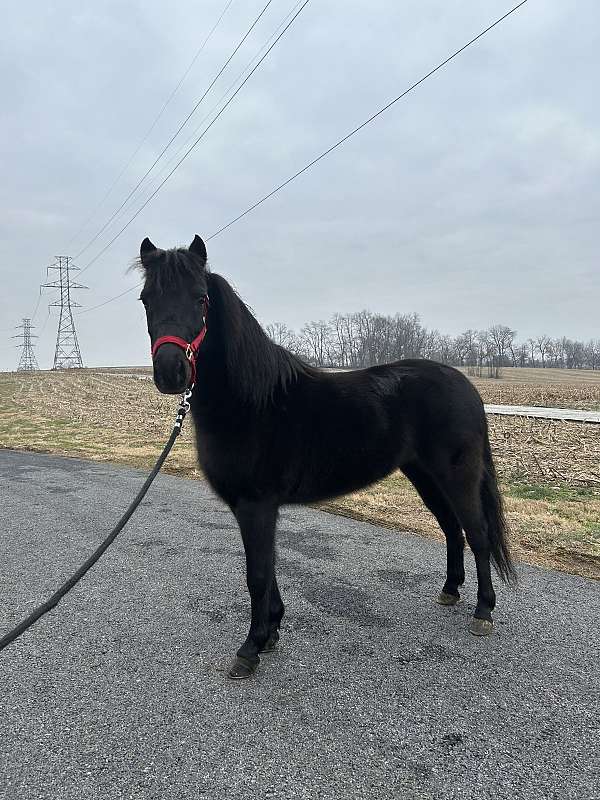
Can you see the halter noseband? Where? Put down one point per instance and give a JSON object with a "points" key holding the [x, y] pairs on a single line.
{"points": [[191, 348]]}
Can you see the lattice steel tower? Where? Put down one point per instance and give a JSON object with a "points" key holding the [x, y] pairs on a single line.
{"points": [[28, 361], [67, 353]]}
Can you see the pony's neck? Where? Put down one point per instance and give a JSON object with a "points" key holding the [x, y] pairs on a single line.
{"points": [[255, 368]]}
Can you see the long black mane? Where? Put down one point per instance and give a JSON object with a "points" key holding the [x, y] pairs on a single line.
{"points": [[260, 367]]}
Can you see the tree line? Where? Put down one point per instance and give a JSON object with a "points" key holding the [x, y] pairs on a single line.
{"points": [[362, 339]]}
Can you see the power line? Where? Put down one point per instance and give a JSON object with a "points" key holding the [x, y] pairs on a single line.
{"points": [[315, 160], [216, 105], [204, 132], [144, 139], [43, 328], [111, 299], [166, 167], [363, 124], [154, 123], [37, 305], [178, 131], [232, 84]]}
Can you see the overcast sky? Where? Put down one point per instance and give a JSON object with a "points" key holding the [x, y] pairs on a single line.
{"points": [[472, 201]]}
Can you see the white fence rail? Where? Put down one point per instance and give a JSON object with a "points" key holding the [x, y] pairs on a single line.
{"points": [[569, 414]]}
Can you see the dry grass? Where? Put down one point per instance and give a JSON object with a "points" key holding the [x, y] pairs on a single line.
{"points": [[94, 415], [550, 471]]}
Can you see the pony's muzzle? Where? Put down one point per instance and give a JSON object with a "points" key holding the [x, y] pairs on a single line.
{"points": [[172, 370]]}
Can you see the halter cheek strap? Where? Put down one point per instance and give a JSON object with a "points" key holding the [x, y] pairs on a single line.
{"points": [[191, 348]]}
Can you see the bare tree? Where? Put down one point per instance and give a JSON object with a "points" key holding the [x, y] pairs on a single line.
{"points": [[282, 335], [316, 343], [502, 338], [543, 346], [362, 339], [578, 356], [592, 353], [521, 352]]}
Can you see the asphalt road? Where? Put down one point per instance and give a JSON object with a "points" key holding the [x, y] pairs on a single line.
{"points": [[376, 691]]}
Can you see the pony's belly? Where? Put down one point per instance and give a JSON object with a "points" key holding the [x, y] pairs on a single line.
{"points": [[341, 477]]}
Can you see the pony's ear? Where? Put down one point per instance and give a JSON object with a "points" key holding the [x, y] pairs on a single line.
{"points": [[198, 248], [146, 248]]}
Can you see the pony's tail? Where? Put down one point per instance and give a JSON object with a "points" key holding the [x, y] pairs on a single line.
{"points": [[497, 528]]}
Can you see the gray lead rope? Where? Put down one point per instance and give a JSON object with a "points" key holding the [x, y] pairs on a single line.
{"points": [[184, 407]]}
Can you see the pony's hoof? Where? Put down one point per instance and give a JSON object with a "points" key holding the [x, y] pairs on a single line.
{"points": [[481, 627], [242, 668], [445, 599], [271, 643]]}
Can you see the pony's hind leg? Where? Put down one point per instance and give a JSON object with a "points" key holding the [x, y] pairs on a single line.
{"points": [[465, 497], [257, 523], [475, 527], [276, 611], [441, 509]]}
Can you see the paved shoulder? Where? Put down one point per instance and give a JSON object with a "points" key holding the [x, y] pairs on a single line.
{"points": [[376, 691]]}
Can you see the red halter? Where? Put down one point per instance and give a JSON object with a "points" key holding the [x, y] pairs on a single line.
{"points": [[191, 348]]}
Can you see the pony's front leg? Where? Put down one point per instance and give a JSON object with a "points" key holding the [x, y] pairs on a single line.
{"points": [[257, 523]]}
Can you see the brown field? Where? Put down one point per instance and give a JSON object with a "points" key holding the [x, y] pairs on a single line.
{"points": [[549, 470], [552, 388], [542, 376]]}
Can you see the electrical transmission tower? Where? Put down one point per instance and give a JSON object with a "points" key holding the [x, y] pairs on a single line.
{"points": [[67, 353], [28, 361]]}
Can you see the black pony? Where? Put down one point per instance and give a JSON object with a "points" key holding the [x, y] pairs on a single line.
{"points": [[272, 430]]}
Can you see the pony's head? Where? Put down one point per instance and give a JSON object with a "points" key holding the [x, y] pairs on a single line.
{"points": [[175, 297]]}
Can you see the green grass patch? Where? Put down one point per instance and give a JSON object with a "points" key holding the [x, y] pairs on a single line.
{"points": [[552, 494], [592, 529]]}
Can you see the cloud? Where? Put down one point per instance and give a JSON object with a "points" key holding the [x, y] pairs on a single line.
{"points": [[473, 200]]}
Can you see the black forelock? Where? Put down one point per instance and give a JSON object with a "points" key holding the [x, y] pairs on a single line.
{"points": [[170, 269]]}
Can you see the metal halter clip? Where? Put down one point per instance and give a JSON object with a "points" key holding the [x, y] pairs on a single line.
{"points": [[185, 397], [184, 407]]}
